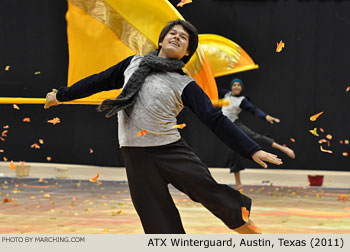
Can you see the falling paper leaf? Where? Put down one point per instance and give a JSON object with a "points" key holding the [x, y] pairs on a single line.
{"points": [[314, 132], [322, 141], [343, 198], [6, 200], [15, 106], [255, 228], [4, 133], [322, 130], [345, 154], [7, 68], [91, 150], [314, 117], [329, 137], [94, 179], [35, 145], [41, 141], [183, 2], [27, 119], [279, 47], [48, 158], [323, 150], [12, 166], [54, 121], [142, 132], [47, 196], [292, 140], [179, 126]]}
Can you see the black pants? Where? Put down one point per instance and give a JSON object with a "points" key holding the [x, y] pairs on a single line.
{"points": [[151, 169], [235, 160]]}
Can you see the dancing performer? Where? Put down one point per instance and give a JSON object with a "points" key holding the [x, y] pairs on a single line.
{"points": [[155, 90], [238, 102]]}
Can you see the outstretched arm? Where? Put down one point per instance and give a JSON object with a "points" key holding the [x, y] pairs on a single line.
{"points": [[112, 78], [248, 106], [199, 103]]}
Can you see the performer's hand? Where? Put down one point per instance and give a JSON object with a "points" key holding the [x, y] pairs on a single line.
{"points": [[271, 119], [51, 99], [260, 156]]}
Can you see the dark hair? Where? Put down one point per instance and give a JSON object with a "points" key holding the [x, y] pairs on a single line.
{"points": [[190, 29]]}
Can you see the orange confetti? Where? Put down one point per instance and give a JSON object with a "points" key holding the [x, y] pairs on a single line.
{"points": [[75, 198], [142, 132], [255, 228], [2, 139], [41, 141], [348, 89], [35, 145], [279, 47], [322, 130], [245, 214], [345, 154], [179, 126], [1, 151], [6, 127], [314, 117], [47, 196], [341, 141], [54, 121], [12, 165], [183, 2], [91, 150], [343, 198], [323, 150], [48, 158], [27, 119], [5, 159], [15, 106], [40, 180], [7, 68], [346, 141], [36, 73], [322, 141], [292, 140], [329, 137], [6, 200], [94, 179], [314, 132], [4, 133]]}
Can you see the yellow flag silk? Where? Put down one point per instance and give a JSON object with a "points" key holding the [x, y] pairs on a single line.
{"points": [[225, 56], [199, 68], [103, 32]]}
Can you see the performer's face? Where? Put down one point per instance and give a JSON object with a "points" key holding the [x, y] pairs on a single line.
{"points": [[236, 88], [175, 43]]}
